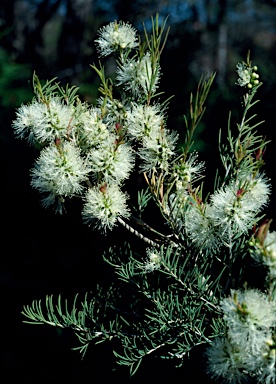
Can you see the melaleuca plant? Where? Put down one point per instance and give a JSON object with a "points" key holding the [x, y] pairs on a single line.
{"points": [[187, 288]]}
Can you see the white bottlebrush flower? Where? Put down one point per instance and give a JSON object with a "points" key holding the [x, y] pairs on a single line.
{"points": [[44, 122], [200, 230], [139, 76], [94, 132], [249, 315], [103, 205], [224, 362], [59, 171], [115, 37], [25, 121], [257, 192], [157, 151], [235, 209], [144, 120], [113, 161], [258, 310]]}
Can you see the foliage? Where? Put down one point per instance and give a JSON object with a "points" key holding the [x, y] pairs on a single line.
{"points": [[189, 287]]}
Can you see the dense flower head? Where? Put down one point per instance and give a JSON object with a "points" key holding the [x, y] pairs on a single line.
{"points": [[113, 161], [224, 362], [235, 209], [138, 77], [59, 171], [144, 120], [249, 306], [157, 151], [103, 205], [44, 122], [249, 317], [94, 131], [200, 229], [116, 36]]}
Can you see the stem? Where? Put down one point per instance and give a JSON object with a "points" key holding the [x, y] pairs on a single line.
{"points": [[138, 234], [149, 228]]}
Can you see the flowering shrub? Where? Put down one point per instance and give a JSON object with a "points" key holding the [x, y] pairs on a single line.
{"points": [[188, 287]]}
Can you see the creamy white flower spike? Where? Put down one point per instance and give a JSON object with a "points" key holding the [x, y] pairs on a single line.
{"points": [[144, 120], [113, 161], [59, 171], [157, 151], [103, 205], [115, 37], [250, 318], [94, 131], [44, 122], [249, 306], [248, 76], [235, 209], [139, 77], [200, 229], [244, 74], [224, 362]]}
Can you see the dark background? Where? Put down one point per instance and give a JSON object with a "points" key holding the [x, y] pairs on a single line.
{"points": [[43, 253]]}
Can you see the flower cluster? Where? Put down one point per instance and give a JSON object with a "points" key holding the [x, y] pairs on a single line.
{"points": [[138, 76], [59, 172], [249, 345], [103, 205], [232, 211], [41, 122], [115, 37], [114, 162], [235, 209], [88, 147]]}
